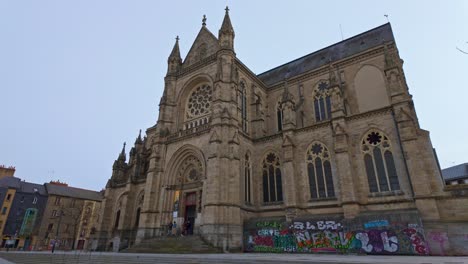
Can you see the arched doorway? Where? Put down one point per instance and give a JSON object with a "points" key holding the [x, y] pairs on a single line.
{"points": [[188, 192]]}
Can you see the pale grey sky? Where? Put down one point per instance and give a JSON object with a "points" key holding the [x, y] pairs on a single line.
{"points": [[78, 78]]}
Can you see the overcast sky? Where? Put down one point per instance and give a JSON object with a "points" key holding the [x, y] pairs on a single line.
{"points": [[78, 78]]}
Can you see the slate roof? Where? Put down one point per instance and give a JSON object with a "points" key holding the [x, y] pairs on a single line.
{"points": [[455, 172], [53, 189], [22, 186], [335, 52]]}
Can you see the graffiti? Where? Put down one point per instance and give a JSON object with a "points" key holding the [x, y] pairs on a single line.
{"points": [[417, 240], [319, 225], [441, 238], [377, 223], [377, 237], [272, 224]]}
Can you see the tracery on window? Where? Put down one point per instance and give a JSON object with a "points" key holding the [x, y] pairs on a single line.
{"points": [[379, 163], [319, 171], [191, 170], [199, 102], [272, 185], [322, 101]]}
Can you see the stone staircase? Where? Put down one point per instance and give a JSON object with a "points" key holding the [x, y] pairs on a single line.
{"points": [[178, 244]]}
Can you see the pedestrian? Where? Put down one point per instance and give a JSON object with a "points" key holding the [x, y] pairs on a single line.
{"points": [[189, 228], [169, 229], [174, 229]]}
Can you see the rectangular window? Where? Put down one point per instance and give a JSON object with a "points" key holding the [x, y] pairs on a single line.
{"points": [[35, 200], [8, 197], [51, 225], [54, 213], [57, 200], [22, 199], [4, 210]]}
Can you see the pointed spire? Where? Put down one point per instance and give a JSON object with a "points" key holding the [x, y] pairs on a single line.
{"points": [[139, 140], [226, 32], [175, 50], [122, 155], [226, 27], [204, 20], [174, 61]]}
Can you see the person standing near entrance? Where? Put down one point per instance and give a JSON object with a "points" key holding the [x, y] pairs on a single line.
{"points": [[174, 229]]}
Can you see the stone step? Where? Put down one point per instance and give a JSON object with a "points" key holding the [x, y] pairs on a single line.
{"points": [[186, 244]]}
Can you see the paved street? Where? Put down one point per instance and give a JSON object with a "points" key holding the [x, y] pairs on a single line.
{"points": [[82, 257]]}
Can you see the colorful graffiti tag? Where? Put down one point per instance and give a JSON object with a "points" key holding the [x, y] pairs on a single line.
{"points": [[377, 237]]}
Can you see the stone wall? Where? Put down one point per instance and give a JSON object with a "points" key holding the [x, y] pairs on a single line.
{"points": [[395, 233]]}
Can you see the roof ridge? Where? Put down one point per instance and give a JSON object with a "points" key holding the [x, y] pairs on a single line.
{"points": [[329, 46]]}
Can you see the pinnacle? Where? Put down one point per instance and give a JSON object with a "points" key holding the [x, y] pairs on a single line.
{"points": [[175, 50], [226, 27]]}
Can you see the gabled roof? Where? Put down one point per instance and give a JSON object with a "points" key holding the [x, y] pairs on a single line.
{"points": [[67, 191], [204, 37], [22, 186], [335, 52], [456, 172]]}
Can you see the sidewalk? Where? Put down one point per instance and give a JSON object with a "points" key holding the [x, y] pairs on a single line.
{"points": [[109, 257]]}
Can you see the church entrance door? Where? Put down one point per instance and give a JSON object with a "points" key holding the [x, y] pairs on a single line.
{"points": [[190, 211]]}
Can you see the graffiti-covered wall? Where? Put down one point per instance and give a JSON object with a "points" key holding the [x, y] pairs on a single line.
{"points": [[395, 233]]}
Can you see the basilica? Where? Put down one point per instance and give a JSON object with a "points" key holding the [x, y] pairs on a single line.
{"points": [[320, 154]]}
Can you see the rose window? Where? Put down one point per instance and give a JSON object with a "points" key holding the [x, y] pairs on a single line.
{"points": [[199, 102]]}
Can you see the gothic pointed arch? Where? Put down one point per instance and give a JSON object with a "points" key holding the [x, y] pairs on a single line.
{"points": [[271, 178], [119, 207], [322, 100], [195, 102], [138, 205], [379, 162], [279, 115], [186, 165], [319, 171]]}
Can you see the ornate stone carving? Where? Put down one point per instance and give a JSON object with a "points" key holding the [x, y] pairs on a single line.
{"points": [[199, 102]]}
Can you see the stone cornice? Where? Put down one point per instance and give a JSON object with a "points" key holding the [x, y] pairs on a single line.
{"points": [[377, 112]]}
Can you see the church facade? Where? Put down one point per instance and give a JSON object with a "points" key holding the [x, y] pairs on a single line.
{"points": [[321, 154]]}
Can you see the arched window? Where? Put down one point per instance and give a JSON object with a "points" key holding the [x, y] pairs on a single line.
{"points": [[379, 163], [247, 182], [243, 106], [322, 101], [137, 220], [272, 186], [319, 171], [117, 219], [279, 116]]}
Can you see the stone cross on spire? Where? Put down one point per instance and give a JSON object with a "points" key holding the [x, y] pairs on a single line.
{"points": [[204, 20]]}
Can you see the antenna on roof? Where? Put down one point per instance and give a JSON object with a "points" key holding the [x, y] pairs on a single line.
{"points": [[388, 21], [341, 30]]}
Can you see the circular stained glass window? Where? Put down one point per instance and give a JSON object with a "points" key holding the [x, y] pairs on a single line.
{"points": [[199, 101]]}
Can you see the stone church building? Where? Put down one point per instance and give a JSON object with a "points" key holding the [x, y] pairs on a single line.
{"points": [[320, 154]]}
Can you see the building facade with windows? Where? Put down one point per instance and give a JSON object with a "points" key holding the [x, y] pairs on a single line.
{"points": [[321, 154], [70, 218], [23, 204]]}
